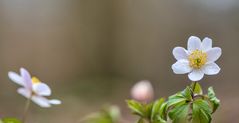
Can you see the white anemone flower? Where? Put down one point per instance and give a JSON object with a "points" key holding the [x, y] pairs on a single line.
{"points": [[142, 91], [32, 88], [198, 59]]}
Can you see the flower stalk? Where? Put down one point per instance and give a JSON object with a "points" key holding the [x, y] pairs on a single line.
{"points": [[190, 116], [26, 109]]}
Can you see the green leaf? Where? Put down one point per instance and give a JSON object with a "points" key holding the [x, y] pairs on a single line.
{"points": [[10, 120], [108, 114], [201, 112], [148, 110], [197, 89], [136, 107], [179, 114], [159, 120], [141, 120], [175, 100], [163, 111], [215, 102], [156, 108], [187, 93]]}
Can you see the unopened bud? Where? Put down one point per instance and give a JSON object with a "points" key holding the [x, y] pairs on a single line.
{"points": [[142, 91]]}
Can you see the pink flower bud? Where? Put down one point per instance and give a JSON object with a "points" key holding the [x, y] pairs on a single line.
{"points": [[142, 91]]}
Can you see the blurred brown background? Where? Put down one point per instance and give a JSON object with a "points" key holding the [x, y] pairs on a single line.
{"points": [[92, 51]]}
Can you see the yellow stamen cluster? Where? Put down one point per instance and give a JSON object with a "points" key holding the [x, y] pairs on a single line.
{"points": [[35, 80], [197, 59]]}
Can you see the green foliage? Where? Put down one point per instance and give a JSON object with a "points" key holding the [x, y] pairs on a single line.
{"points": [[136, 107], [10, 120], [107, 115], [188, 93], [148, 112], [187, 106], [141, 120], [201, 112], [197, 89], [175, 100], [163, 112], [190, 105], [179, 113], [156, 107], [213, 99]]}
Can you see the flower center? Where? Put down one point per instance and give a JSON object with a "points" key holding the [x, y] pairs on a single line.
{"points": [[35, 80], [197, 59]]}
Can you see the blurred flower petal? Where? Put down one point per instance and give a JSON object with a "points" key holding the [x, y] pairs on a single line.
{"points": [[55, 102], [42, 89], [16, 78], [24, 92], [41, 101], [27, 77]]}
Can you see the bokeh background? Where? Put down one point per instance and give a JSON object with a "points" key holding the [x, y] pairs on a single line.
{"points": [[92, 51]]}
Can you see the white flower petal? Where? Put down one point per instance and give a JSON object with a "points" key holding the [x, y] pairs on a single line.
{"points": [[194, 43], [42, 89], [213, 54], [181, 67], [211, 69], [206, 44], [196, 75], [41, 101], [24, 92], [27, 78], [55, 102], [16, 78], [180, 53]]}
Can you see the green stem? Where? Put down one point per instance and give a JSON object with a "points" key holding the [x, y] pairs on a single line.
{"points": [[26, 109], [191, 104], [194, 85]]}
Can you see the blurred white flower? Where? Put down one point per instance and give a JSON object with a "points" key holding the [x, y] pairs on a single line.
{"points": [[142, 91], [32, 88], [198, 60]]}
